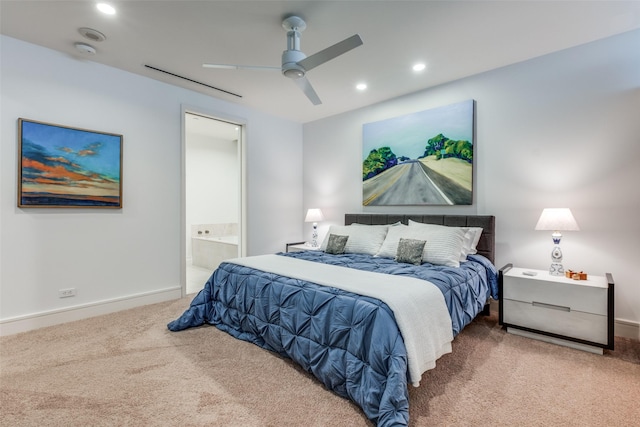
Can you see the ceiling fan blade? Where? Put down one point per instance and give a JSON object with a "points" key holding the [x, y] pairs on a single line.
{"points": [[306, 87], [240, 67], [331, 52]]}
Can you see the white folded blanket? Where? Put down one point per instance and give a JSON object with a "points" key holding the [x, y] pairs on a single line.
{"points": [[418, 305]]}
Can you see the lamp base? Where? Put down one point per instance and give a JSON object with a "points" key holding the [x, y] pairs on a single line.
{"points": [[556, 269], [314, 235]]}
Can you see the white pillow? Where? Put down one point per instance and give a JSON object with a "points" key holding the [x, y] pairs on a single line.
{"points": [[369, 225], [471, 239], [444, 244], [389, 247], [363, 239]]}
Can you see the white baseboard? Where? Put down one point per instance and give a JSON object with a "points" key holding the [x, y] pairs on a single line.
{"points": [[29, 322], [623, 328], [626, 329]]}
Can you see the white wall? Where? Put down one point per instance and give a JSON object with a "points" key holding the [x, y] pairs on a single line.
{"points": [[111, 256], [562, 130]]}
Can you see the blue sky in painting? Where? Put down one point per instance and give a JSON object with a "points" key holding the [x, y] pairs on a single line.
{"points": [[90, 151], [408, 135]]}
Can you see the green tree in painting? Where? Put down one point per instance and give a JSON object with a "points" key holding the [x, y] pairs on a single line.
{"points": [[442, 147], [378, 161], [435, 145]]}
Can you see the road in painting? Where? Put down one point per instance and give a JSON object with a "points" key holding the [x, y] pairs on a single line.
{"points": [[404, 184], [65, 167], [424, 158]]}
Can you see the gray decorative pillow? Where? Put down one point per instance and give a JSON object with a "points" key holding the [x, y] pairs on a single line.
{"points": [[410, 251], [336, 244]]}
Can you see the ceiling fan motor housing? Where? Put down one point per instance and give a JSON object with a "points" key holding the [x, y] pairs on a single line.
{"points": [[290, 66]]}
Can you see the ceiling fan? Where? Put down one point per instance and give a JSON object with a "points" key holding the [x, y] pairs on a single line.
{"points": [[295, 64]]}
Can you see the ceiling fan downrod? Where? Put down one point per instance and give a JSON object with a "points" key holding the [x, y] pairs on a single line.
{"points": [[290, 57]]}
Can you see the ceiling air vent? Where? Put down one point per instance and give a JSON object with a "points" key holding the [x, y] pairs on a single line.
{"points": [[192, 81], [91, 34]]}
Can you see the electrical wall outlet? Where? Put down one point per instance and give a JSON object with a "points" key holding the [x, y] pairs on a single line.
{"points": [[66, 293]]}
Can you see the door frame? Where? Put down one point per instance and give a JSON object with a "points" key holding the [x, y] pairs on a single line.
{"points": [[242, 217]]}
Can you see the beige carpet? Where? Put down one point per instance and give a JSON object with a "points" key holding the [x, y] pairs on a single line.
{"points": [[127, 369]]}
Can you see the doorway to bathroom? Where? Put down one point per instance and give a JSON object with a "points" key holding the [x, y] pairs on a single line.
{"points": [[213, 196]]}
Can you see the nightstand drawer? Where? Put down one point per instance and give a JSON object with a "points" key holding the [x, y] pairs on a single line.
{"points": [[587, 297], [553, 319]]}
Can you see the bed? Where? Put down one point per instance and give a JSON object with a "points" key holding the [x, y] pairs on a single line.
{"points": [[367, 314]]}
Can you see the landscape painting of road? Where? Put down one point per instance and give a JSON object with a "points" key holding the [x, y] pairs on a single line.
{"points": [[423, 158]]}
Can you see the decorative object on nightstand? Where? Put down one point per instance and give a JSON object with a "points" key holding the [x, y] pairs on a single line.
{"points": [[314, 215], [557, 220], [575, 275]]}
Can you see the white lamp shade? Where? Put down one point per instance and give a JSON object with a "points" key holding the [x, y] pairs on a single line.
{"points": [[557, 219], [314, 215]]}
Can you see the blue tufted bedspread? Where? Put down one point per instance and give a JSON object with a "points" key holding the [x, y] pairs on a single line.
{"points": [[465, 289], [349, 342]]}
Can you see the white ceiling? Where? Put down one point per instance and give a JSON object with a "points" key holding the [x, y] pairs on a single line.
{"points": [[454, 38]]}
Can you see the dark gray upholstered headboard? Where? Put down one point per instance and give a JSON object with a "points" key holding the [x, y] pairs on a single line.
{"points": [[486, 246]]}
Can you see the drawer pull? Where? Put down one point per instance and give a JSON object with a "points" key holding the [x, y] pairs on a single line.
{"points": [[551, 306]]}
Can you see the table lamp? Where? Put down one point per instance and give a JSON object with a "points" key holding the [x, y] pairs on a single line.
{"points": [[557, 220], [314, 215]]}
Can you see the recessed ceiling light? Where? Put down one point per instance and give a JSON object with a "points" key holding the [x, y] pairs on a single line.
{"points": [[105, 8], [361, 86], [419, 67]]}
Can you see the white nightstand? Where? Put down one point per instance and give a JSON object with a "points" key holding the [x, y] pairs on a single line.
{"points": [[556, 309], [301, 246]]}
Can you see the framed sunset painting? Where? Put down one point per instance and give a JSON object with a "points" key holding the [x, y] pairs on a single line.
{"points": [[64, 167]]}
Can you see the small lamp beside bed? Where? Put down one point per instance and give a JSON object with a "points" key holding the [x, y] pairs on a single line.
{"points": [[314, 215], [556, 220]]}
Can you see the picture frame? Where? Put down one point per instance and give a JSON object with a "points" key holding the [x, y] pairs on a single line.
{"points": [[66, 167], [422, 158]]}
